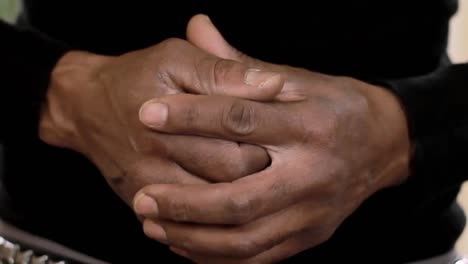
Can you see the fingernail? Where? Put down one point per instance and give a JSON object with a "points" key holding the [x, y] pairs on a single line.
{"points": [[154, 114], [155, 231], [145, 205], [258, 78]]}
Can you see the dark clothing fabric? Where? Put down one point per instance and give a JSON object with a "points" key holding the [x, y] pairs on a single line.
{"points": [[401, 44]]}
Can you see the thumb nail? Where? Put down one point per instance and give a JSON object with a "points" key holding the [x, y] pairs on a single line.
{"points": [[258, 78], [154, 114]]}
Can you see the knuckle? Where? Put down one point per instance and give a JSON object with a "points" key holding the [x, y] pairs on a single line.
{"points": [[56, 125], [46, 134], [220, 71], [192, 116], [60, 78], [352, 102], [245, 247], [239, 118], [171, 44], [343, 110], [321, 129], [55, 130], [240, 208], [165, 53], [165, 80], [178, 210]]}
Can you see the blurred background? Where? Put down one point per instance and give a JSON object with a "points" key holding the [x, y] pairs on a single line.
{"points": [[9, 9], [458, 50]]}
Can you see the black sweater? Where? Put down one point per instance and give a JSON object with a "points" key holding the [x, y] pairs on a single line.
{"points": [[400, 44]]}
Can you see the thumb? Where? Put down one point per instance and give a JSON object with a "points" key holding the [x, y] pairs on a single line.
{"points": [[202, 33]]}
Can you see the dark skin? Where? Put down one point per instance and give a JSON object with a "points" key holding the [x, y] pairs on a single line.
{"points": [[93, 102], [333, 142]]}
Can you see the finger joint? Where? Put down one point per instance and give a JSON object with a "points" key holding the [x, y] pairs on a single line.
{"points": [[241, 209], [239, 119]]}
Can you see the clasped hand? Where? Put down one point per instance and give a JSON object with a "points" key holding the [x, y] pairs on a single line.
{"points": [[93, 102], [333, 142]]}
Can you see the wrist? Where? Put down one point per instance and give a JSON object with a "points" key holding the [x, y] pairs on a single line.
{"points": [[389, 136], [72, 84], [392, 133]]}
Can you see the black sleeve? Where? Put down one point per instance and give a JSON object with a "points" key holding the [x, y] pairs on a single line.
{"points": [[437, 111], [27, 59]]}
